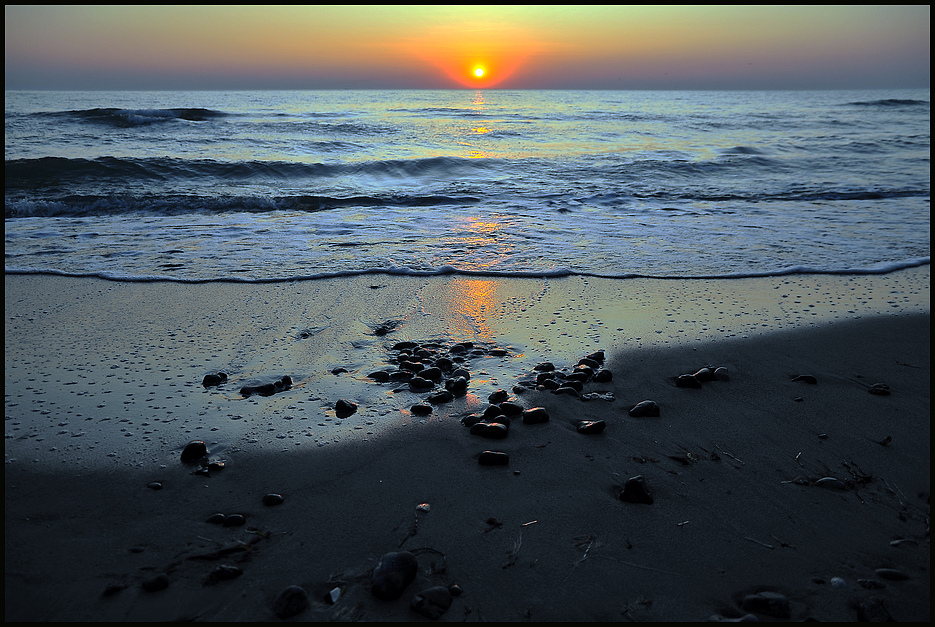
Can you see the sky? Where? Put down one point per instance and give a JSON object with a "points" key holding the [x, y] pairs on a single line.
{"points": [[488, 46]]}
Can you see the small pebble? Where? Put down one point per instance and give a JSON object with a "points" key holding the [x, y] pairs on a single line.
{"points": [[155, 485], [687, 381], [635, 491], [644, 408], [215, 519], [498, 397], [290, 602], [831, 483], [272, 499], [214, 379], [721, 374], [194, 451], [892, 574], [493, 458], [591, 427], [535, 415], [344, 408], [603, 376], [392, 574], [234, 520], [805, 378], [705, 374], [880, 389], [222, 573], [421, 409]]}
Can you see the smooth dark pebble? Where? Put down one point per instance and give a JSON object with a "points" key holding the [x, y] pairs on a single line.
{"points": [[290, 602], [769, 603], [535, 415], [644, 408], [493, 458], [432, 602], [635, 491], [597, 356], [511, 409], [471, 419], [380, 375], [721, 374], [805, 378], [214, 379], [494, 430], [892, 574], [216, 466], [880, 389], [344, 407], [705, 375], [272, 499], [421, 409], [687, 381], [234, 520], [498, 397], [338, 370], [590, 427], [566, 389], [603, 376], [155, 485], [194, 451], [831, 483], [215, 519], [157, 583], [222, 573], [545, 366], [392, 574], [113, 589], [455, 590], [419, 384], [399, 346], [456, 385], [444, 396]]}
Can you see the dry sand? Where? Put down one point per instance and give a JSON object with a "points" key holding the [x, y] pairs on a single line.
{"points": [[103, 389]]}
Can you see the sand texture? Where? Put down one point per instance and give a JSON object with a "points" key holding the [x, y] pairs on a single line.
{"points": [[772, 496]]}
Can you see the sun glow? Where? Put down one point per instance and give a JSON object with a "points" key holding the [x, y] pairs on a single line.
{"points": [[479, 72]]}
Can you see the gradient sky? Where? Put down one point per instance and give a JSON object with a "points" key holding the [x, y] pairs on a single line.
{"points": [[390, 47]]}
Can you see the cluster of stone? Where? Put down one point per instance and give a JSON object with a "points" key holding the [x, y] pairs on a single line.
{"points": [[589, 369], [703, 375]]}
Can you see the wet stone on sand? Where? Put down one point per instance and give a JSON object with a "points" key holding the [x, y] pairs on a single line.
{"points": [[635, 491], [432, 602], [290, 602], [644, 408], [392, 574]]}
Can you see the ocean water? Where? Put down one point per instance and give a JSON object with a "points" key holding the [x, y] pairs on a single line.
{"points": [[282, 185]]}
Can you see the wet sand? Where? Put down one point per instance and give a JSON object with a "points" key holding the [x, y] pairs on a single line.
{"points": [[103, 389]]}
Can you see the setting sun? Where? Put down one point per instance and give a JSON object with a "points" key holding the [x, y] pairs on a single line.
{"points": [[479, 72]]}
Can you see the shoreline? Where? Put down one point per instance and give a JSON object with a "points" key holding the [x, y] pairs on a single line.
{"points": [[726, 522]]}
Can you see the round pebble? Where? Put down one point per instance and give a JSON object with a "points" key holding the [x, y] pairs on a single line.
{"points": [[880, 389], [272, 499], [421, 409], [591, 427], [155, 485], [535, 415], [290, 602], [215, 519], [234, 520], [635, 491], [194, 451], [644, 408], [392, 574], [721, 374], [493, 458], [687, 381], [344, 408]]}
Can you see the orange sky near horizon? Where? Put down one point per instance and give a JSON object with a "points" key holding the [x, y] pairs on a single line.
{"points": [[596, 47]]}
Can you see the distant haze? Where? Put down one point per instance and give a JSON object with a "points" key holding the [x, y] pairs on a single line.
{"points": [[425, 47]]}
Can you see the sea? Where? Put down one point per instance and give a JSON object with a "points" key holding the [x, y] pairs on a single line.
{"points": [[269, 186]]}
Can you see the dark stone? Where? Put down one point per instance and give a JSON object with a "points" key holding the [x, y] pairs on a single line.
{"points": [[457, 385], [392, 574], [578, 377], [222, 573], [597, 356], [290, 602], [635, 491], [471, 420], [444, 396], [587, 371], [214, 379], [494, 430], [421, 409], [412, 366], [420, 384], [590, 427], [721, 374], [542, 377], [510, 409], [590, 363], [272, 499], [461, 372], [458, 348], [705, 374], [265, 389], [344, 408], [216, 519], [769, 603], [498, 352], [216, 466], [644, 408], [498, 397], [805, 378], [545, 366], [432, 374], [234, 520], [566, 389], [535, 415], [892, 574], [401, 375], [194, 451], [492, 411], [338, 370], [551, 384], [444, 364], [455, 589], [155, 485], [398, 346], [687, 381], [157, 583], [285, 383], [432, 602], [493, 458], [880, 389], [603, 376]]}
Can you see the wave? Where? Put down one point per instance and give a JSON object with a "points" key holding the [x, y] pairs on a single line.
{"points": [[890, 102], [183, 204], [877, 269], [33, 174], [123, 118]]}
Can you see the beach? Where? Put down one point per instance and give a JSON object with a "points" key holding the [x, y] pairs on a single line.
{"points": [[771, 495]]}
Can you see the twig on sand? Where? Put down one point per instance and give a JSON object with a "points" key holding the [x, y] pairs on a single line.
{"points": [[516, 546], [729, 455], [768, 546], [781, 543]]}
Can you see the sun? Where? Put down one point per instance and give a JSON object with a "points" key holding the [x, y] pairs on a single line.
{"points": [[479, 72]]}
